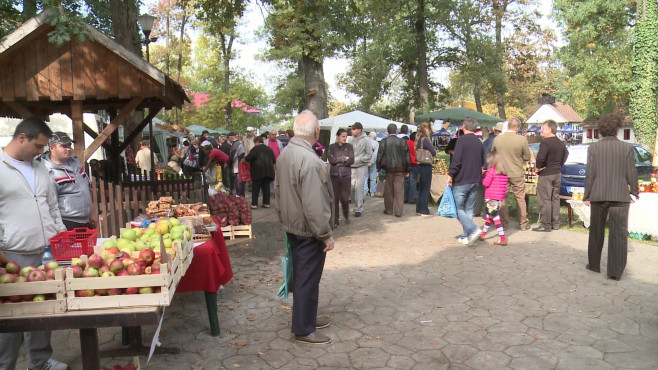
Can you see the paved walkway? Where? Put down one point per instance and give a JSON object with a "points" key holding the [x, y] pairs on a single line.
{"points": [[403, 294]]}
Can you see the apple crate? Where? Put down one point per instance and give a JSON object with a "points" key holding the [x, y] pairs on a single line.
{"points": [[227, 232], [241, 230], [49, 287], [165, 281]]}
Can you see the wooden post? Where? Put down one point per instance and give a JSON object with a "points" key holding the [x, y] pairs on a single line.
{"points": [[78, 131]]}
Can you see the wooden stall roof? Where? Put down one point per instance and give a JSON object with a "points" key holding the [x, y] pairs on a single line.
{"points": [[101, 73]]}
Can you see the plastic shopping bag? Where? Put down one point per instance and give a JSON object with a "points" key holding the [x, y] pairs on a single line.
{"points": [[244, 173], [447, 207]]}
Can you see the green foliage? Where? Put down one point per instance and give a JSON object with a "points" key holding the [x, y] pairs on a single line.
{"points": [[68, 25], [597, 54], [10, 16], [645, 76]]}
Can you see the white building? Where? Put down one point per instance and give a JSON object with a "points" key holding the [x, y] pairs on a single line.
{"points": [[561, 113]]}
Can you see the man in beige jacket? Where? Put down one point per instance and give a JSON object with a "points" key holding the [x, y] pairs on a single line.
{"points": [[514, 151]]}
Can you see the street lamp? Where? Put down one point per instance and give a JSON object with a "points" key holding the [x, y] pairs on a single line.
{"points": [[146, 23]]}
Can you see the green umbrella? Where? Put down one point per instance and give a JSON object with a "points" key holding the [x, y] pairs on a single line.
{"points": [[457, 115], [286, 263]]}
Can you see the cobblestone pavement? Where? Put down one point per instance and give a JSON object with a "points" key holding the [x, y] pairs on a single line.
{"points": [[401, 293]]}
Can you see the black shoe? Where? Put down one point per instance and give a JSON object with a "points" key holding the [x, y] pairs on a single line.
{"points": [[542, 229], [556, 228], [587, 267], [357, 214], [617, 278], [321, 322], [313, 338]]}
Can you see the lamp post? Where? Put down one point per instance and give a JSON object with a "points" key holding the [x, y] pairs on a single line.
{"points": [[146, 23]]}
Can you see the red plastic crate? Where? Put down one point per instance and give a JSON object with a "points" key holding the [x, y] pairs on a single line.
{"points": [[74, 243]]}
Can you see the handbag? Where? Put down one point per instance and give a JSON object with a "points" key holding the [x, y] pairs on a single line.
{"points": [[244, 173], [424, 156], [447, 207]]}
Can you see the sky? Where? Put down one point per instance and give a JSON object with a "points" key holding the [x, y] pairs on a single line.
{"points": [[249, 47]]}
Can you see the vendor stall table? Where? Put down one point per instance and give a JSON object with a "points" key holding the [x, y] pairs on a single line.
{"points": [[210, 268], [88, 323]]}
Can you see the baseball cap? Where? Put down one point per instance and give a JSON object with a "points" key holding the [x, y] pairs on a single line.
{"points": [[206, 143], [250, 128], [357, 125], [500, 126], [204, 132], [59, 137]]}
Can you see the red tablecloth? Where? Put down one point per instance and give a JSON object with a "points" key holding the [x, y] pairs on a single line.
{"points": [[210, 268]]}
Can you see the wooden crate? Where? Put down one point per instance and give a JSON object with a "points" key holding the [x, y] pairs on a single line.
{"points": [[57, 287], [241, 230], [227, 232]]}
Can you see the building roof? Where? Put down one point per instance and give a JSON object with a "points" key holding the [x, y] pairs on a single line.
{"points": [[559, 112]]}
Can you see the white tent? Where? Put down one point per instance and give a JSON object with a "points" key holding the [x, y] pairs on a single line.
{"points": [[370, 122]]}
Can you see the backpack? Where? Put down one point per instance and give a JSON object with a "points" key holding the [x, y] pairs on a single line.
{"points": [[191, 159]]}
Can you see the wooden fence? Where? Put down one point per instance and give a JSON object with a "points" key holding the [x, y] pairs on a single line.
{"points": [[118, 203]]}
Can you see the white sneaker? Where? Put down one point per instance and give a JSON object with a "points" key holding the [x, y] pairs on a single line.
{"points": [[463, 240], [52, 364], [474, 236]]}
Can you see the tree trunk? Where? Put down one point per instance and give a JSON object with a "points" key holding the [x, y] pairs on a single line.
{"points": [[29, 9], [167, 43], [179, 68], [316, 94], [499, 8], [423, 86], [478, 100], [124, 25], [301, 92]]}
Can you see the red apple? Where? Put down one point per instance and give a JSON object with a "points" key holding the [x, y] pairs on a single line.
{"points": [[127, 262], [90, 272], [3, 271], [129, 367], [101, 291], [117, 367], [147, 255], [13, 267], [121, 255], [147, 270], [77, 271], [27, 297], [124, 273], [96, 261], [26, 270], [113, 250], [7, 278], [155, 268], [114, 291], [132, 291], [157, 289], [15, 298], [52, 265], [135, 269], [36, 275], [84, 293], [104, 268], [21, 279], [116, 267], [50, 275], [78, 262]]}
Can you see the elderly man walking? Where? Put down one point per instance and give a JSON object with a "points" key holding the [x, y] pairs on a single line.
{"points": [[362, 155], [551, 156], [514, 151], [304, 199]]}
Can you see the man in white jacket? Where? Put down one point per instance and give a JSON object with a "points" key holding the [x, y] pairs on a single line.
{"points": [[29, 216]]}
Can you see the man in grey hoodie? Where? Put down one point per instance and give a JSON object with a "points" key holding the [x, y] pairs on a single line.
{"points": [[362, 155], [71, 183]]}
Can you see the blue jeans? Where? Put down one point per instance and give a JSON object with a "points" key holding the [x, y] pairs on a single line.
{"points": [[424, 183], [464, 201], [371, 180], [410, 184]]}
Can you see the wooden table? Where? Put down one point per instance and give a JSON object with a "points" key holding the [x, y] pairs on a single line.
{"points": [[87, 322]]}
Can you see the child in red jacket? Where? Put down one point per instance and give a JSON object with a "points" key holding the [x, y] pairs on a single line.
{"points": [[495, 183]]}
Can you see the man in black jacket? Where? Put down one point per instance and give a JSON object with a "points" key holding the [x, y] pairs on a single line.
{"points": [[341, 157], [261, 161], [550, 158], [393, 155]]}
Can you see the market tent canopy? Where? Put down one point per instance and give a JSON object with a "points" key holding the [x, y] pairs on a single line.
{"points": [[442, 132], [197, 130], [370, 122], [533, 128], [160, 136], [458, 115]]}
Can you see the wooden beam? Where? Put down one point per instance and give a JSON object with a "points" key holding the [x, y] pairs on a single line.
{"points": [[20, 109], [78, 133], [138, 129], [125, 113], [89, 131]]}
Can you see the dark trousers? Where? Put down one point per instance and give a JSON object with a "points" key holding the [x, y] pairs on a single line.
{"points": [[237, 185], [307, 265], [548, 197], [478, 207], [410, 184], [342, 186], [256, 187], [424, 183], [70, 225], [617, 239], [394, 193]]}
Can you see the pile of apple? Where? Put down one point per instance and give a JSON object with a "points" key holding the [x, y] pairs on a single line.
{"points": [[13, 273], [113, 262], [119, 367], [134, 240]]}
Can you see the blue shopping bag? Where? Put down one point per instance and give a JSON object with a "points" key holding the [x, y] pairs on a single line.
{"points": [[447, 207]]}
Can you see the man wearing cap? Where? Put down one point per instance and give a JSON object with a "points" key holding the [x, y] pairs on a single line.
{"points": [[215, 156], [143, 157], [71, 183], [248, 140], [29, 217], [362, 155], [235, 156]]}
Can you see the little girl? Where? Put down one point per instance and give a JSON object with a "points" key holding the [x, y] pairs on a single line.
{"points": [[495, 183]]}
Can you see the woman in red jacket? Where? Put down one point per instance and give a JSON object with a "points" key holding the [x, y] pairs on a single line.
{"points": [[495, 184]]}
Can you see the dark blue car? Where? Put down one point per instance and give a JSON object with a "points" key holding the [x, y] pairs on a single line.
{"points": [[574, 170]]}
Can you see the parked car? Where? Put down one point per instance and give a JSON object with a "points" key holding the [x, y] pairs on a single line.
{"points": [[574, 170]]}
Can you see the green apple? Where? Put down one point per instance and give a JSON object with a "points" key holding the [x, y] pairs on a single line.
{"points": [[139, 245], [145, 238], [167, 243], [163, 227], [155, 243], [149, 231], [109, 244], [152, 225], [176, 232], [129, 234], [124, 243], [138, 232], [127, 250], [174, 221]]}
